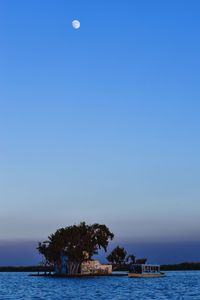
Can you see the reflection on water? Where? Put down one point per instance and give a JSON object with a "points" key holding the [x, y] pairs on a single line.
{"points": [[176, 285]]}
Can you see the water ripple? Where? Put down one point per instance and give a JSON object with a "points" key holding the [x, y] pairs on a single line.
{"points": [[176, 285]]}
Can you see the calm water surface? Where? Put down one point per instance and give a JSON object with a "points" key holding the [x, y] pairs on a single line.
{"points": [[176, 285]]}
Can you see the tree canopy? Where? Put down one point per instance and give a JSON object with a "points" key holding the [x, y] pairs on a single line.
{"points": [[131, 259], [117, 256], [77, 242]]}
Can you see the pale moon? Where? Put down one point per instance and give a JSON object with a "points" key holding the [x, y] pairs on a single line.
{"points": [[76, 24]]}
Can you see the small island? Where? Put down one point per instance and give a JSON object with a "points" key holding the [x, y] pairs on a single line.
{"points": [[69, 251]]}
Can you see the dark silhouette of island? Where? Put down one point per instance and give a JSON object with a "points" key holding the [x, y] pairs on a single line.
{"points": [[185, 266]]}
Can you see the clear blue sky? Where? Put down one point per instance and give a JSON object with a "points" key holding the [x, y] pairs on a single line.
{"points": [[100, 124]]}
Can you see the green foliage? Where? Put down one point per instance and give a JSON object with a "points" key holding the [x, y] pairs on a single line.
{"points": [[43, 249], [77, 242], [117, 256], [130, 259]]}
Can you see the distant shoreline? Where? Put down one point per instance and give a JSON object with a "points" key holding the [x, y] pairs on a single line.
{"points": [[169, 267], [182, 267], [25, 269]]}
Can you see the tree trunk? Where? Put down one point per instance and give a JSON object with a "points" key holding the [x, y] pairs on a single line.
{"points": [[73, 267]]}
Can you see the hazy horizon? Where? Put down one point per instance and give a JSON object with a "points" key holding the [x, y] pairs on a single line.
{"points": [[24, 253]]}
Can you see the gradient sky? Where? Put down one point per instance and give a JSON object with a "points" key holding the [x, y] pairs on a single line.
{"points": [[101, 124]]}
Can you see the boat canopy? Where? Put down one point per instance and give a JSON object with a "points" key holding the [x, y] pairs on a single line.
{"points": [[145, 268]]}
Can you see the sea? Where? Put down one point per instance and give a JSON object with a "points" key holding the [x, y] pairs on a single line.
{"points": [[176, 285]]}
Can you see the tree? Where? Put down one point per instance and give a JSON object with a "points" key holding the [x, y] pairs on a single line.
{"points": [[130, 259], [43, 249], [117, 256], [77, 242]]}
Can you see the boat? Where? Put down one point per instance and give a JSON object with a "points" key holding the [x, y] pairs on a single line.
{"points": [[145, 271]]}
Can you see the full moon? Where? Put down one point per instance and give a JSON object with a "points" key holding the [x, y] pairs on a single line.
{"points": [[76, 24]]}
